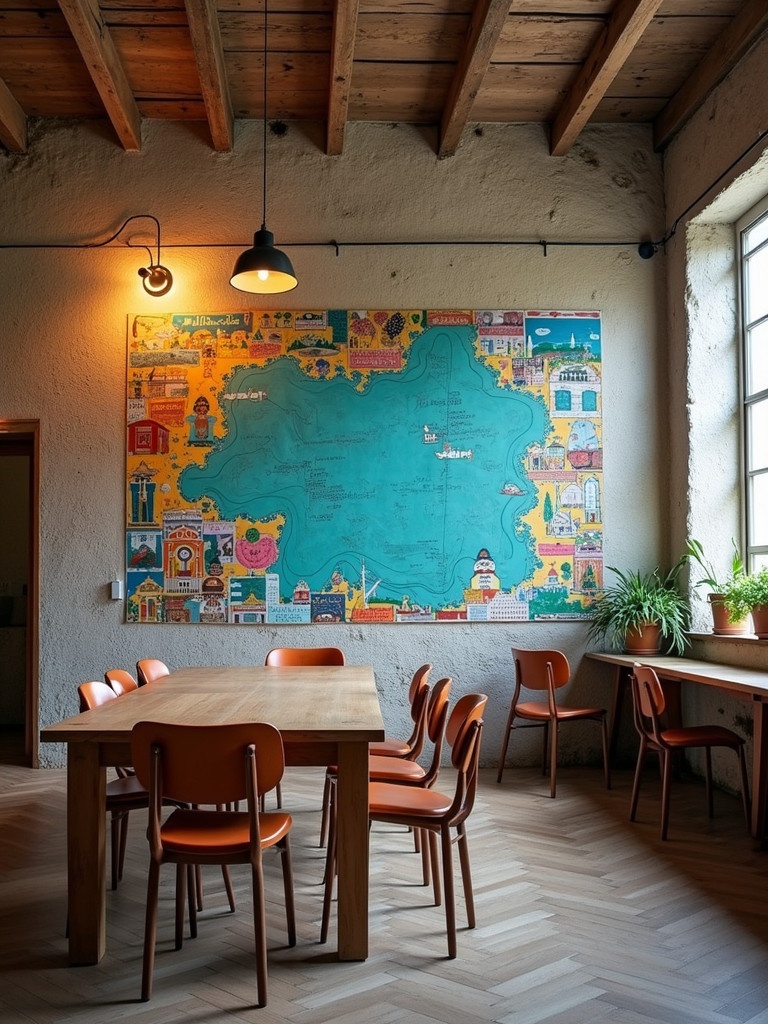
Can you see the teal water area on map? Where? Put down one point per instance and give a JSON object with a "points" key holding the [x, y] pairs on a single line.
{"points": [[355, 480]]}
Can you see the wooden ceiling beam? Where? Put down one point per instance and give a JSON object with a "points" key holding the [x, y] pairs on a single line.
{"points": [[731, 45], [488, 20], [13, 122], [209, 57], [342, 59], [627, 23], [105, 68]]}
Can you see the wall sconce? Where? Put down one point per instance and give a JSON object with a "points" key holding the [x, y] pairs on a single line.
{"points": [[156, 279]]}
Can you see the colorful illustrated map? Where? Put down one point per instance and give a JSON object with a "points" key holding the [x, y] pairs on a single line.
{"points": [[363, 466]]}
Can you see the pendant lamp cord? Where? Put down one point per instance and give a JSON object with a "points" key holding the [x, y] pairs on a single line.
{"points": [[264, 141]]}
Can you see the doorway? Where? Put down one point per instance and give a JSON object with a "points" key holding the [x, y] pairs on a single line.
{"points": [[19, 591]]}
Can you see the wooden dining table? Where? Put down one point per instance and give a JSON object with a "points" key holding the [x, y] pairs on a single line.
{"points": [[325, 714]]}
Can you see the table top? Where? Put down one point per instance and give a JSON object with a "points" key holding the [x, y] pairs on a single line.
{"points": [[731, 677], [325, 703]]}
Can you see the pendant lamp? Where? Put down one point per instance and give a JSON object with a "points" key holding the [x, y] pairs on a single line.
{"points": [[264, 269]]}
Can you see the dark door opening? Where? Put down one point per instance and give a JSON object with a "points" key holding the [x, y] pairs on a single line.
{"points": [[19, 591]]}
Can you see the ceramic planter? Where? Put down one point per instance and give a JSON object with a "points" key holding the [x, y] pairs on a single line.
{"points": [[644, 639], [721, 623], [760, 620]]}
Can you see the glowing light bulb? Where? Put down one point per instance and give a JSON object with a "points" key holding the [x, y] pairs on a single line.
{"points": [[263, 275]]}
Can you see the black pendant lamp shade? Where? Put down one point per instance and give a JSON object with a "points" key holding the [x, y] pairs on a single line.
{"points": [[263, 269]]}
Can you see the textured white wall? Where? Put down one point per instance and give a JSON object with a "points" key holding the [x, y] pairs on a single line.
{"points": [[716, 157], [64, 321]]}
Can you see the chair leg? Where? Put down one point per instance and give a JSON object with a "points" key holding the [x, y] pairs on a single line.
{"points": [[431, 839], [545, 747], [228, 886], [638, 775], [745, 800], [260, 931], [326, 805], [150, 930], [290, 910], [553, 758], [708, 780], [666, 781], [466, 875], [606, 754], [505, 742], [115, 847], [329, 878], [448, 890]]}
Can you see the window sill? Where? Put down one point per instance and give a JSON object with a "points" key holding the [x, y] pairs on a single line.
{"points": [[739, 638]]}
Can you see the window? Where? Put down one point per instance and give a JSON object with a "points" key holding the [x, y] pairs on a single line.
{"points": [[753, 263]]}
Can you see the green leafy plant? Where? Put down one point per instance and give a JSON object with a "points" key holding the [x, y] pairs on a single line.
{"points": [[639, 598], [710, 578], [743, 593]]}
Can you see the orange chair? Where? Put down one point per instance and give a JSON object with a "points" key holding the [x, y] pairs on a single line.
{"points": [[149, 669], [433, 812], [120, 681], [418, 697], [418, 693], [290, 656], [281, 657], [242, 762], [124, 794], [648, 705], [548, 671], [401, 770]]}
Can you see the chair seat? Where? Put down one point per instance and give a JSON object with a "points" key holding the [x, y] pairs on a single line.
{"points": [[701, 736], [126, 794], [220, 833], [389, 748], [393, 769], [540, 710], [388, 798]]}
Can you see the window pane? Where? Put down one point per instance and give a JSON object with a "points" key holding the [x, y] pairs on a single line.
{"points": [[758, 494], [760, 561], [757, 436], [757, 359], [755, 235], [756, 270]]}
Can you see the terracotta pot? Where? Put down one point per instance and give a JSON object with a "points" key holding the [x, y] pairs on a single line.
{"points": [[645, 639], [721, 623], [760, 620]]}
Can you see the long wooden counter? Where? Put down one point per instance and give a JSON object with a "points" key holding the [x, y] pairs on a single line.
{"points": [[748, 683]]}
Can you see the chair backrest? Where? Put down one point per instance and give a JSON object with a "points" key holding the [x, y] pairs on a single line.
{"points": [[535, 669], [149, 669], [207, 764], [648, 702], [464, 732], [120, 681], [418, 691], [93, 694], [437, 715], [290, 656]]}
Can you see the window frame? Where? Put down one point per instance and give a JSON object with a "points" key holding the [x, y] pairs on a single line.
{"points": [[755, 555]]}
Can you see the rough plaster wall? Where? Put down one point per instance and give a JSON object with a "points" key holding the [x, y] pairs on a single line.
{"points": [[702, 324], [64, 322]]}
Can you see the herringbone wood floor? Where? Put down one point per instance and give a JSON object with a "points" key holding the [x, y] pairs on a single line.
{"points": [[582, 917]]}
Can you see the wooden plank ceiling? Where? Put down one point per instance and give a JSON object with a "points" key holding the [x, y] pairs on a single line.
{"points": [[448, 63]]}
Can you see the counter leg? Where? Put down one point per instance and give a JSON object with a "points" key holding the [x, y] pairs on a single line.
{"points": [[86, 845], [759, 768]]}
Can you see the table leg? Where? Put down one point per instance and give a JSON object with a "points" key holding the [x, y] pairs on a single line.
{"points": [[352, 850], [86, 859], [759, 767]]}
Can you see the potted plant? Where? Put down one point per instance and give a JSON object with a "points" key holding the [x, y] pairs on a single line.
{"points": [[724, 621], [748, 594], [642, 610]]}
